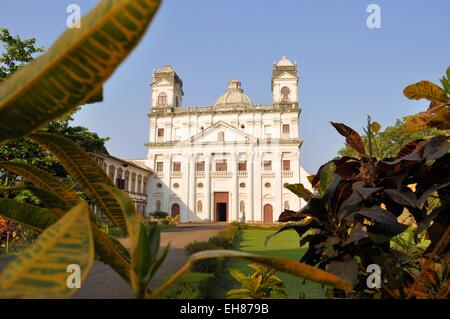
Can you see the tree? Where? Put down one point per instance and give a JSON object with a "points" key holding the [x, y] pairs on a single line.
{"points": [[389, 142], [16, 53]]}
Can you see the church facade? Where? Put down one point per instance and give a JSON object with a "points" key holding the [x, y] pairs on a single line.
{"points": [[228, 161]]}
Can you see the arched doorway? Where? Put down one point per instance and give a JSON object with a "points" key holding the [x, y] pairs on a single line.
{"points": [[268, 214], [175, 211]]}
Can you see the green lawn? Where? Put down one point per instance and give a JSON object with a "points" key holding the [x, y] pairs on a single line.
{"points": [[284, 245]]}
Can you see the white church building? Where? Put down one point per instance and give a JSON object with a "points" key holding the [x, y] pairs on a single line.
{"points": [[228, 161]]}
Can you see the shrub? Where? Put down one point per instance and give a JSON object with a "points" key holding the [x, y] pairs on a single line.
{"points": [[207, 265], [192, 285], [221, 242], [159, 215]]}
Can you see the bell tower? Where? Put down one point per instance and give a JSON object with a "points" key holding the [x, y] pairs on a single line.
{"points": [[167, 88], [284, 82]]}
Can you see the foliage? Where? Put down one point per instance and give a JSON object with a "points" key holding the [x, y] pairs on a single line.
{"points": [[16, 52], [23, 109], [192, 285], [222, 242], [438, 113], [353, 216], [389, 142], [282, 264], [71, 73], [262, 284], [208, 265], [159, 215]]}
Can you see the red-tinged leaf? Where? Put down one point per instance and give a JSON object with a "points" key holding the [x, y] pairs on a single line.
{"points": [[437, 147], [415, 147], [352, 138], [290, 215]]}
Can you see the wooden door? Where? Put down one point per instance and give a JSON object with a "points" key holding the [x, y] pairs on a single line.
{"points": [[268, 214], [175, 211]]}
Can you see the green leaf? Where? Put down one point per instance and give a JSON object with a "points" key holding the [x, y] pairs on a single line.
{"points": [[83, 168], [43, 180], [425, 90], [41, 270], [326, 177], [29, 215], [300, 191], [107, 248], [282, 264], [112, 253], [75, 67]]}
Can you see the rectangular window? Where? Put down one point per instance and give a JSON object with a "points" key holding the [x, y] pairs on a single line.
{"points": [[267, 165], [221, 165], [177, 134], [267, 131], [286, 165], [176, 166], [120, 183], [160, 132], [286, 129], [160, 166], [201, 166], [242, 166]]}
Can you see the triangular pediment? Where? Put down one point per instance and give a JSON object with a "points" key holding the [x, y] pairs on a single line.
{"points": [[211, 134], [285, 76], [162, 82]]}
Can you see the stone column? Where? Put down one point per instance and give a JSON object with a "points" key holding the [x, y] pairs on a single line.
{"points": [[250, 213], [257, 191], [234, 191], [192, 186], [209, 213], [185, 210], [277, 186]]}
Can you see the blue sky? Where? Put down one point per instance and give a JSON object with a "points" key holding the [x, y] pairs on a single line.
{"points": [[346, 70]]}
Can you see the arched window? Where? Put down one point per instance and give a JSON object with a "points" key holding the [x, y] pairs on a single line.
{"points": [[158, 205], [221, 136], [285, 93], [286, 205], [162, 98], [133, 182], [112, 171], [139, 181], [199, 206], [242, 206]]}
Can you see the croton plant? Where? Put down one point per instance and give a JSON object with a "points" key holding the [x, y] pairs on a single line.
{"points": [[352, 215]]}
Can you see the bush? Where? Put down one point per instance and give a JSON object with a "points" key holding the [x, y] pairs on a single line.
{"points": [[192, 285], [207, 265], [159, 215], [221, 242], [224, 240]]}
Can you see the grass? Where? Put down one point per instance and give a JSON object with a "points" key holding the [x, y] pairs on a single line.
{"points": [[283, 245]]}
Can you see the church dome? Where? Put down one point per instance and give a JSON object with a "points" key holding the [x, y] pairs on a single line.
{"points": [[234, 95]]}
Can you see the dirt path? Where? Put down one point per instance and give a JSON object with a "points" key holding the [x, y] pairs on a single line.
{"points": [[103, 283]]}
